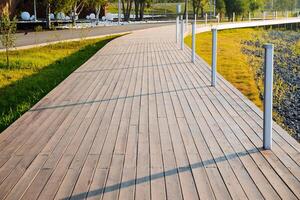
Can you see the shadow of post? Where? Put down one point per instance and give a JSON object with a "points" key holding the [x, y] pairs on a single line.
{"points": [[159, 175]]}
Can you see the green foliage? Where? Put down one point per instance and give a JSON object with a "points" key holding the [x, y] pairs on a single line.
{"points": [[232, 64], [8, 29], [35, 72], [255, 5], [220, 6]]}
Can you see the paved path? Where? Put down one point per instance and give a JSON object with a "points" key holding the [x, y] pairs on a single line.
{"points": [[35, 38], [140, 121]]}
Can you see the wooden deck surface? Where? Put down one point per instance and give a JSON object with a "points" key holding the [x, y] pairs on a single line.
{"points": [[140, 121]]}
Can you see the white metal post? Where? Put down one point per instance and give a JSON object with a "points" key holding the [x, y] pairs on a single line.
{"points": [[268, 96], [275, 14], [182, 33], [264, 15], [205, 19], [214, 58], [249, 16], [177, 28], [34, 8], [119, 11], [233, 17], [193, 40]]}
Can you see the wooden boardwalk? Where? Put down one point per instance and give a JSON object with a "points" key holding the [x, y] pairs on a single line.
{"points": [[140, 121]]}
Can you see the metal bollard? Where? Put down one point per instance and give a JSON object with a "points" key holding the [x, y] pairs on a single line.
{"points": [[214, 58], [193, 40], [249, 17], [233, 17], [177, 28], [268, 96], [205, 19], [182, 33]]}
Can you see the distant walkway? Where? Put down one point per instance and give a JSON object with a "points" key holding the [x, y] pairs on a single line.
{"points": [[36, 38], [140, 121]]}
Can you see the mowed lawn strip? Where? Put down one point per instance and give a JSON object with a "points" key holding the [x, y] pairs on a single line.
{"points": [[232, 64], [35, 72]]}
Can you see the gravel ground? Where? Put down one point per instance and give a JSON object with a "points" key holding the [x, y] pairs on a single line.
{"points": [[286, 74]]}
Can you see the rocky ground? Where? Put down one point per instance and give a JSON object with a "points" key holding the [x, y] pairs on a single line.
{"points": [[286, 74]]}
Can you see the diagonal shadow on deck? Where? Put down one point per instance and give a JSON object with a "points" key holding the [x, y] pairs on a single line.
{"points": [[111, 99], [129, 67], [159, 175]]}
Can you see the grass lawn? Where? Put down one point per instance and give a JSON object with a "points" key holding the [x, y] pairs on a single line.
{"points": [[232, 64], [35, 72]]}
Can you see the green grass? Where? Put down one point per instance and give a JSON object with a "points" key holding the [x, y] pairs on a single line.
{"points": [[35, 72], [232, 64]]}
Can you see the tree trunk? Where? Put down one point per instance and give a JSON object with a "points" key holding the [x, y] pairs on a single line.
{"points": [[142, 8], [74, 15], [48, 18], [185, 7], [98, 13], [136, 8], [202, 11]]}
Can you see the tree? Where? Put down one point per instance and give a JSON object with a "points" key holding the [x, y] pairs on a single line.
{"points": [[198, 5], [8, 29], [239, 7], [73, 6], [140, 8], [126, 7], [98, 5], [255, 5], [220, 7]]}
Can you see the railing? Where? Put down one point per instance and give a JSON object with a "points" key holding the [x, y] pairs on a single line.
{"points": [[268, 64]]}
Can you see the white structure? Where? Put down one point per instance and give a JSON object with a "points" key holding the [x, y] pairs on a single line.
{"points": [[52, 17], [25, 16], [214, 58], [92, 16], [60, 16], [268, 96]]}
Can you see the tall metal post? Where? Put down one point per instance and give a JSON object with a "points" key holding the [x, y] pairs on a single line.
{"points": [[193, 40], [119, 11], [177, 28], [268, 96], [182, 34], [34, 8], [214, 58]]}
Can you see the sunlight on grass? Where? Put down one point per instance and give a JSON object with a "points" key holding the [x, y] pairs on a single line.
{"points": [[35, 72], [232, 64]]}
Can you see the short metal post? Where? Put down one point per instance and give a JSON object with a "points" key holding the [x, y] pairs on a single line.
{"points": [[249, 16], [205, 19], [182, 33], [264, 15], [275, 14], [193, 40], [268, 96], [233, 17], [177, 28], [218, 18], [214, 58]]}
